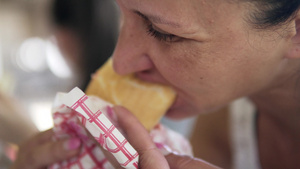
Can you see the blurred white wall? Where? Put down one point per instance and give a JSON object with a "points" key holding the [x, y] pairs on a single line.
{"points": [[27, 53]]}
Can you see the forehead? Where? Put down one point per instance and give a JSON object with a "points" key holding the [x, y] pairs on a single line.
{"points": [[180, 10], [186, 12]]}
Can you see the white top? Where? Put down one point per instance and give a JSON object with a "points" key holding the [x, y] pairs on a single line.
{"points": [[243, 135]]}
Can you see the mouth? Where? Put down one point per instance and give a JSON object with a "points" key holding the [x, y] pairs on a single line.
{"points": [[147, 76], [176, 104]]}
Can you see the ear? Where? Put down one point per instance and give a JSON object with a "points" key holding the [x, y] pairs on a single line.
{"points": [[294, 50]]}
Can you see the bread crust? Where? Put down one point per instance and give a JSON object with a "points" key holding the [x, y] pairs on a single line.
{"points": [[147, 101]]}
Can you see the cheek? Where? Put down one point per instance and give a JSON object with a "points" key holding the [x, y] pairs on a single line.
{"points": [[215, 73], [195, 74], [199, 74], [182, 66], [176, 64]]}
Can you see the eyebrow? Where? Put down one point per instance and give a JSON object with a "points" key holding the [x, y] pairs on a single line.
{"points": [[157, 19]]}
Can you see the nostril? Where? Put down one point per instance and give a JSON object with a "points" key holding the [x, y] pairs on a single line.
{"points": [[146, 72], [148, 76], [142, 74]]}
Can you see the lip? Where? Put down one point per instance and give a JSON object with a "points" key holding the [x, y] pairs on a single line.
{"points": [[144, 77], [176, 104], [151, 76], [173, 111]]}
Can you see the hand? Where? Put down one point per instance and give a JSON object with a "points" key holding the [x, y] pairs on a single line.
{"points": [[150, 156], [40, 151]]}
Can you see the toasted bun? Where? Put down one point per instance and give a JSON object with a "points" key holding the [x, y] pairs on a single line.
{"points": [[147, 101]]}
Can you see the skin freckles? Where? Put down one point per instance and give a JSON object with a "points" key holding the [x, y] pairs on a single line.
{"points": [[218, 58]]}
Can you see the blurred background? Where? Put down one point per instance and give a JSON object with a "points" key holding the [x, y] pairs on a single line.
{"points": [[49, 46], [42, 46]]}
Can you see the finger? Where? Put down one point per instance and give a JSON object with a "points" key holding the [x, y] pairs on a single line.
{"points": [[36, 140], [51, 152], [179, 162], [139, 138], [40, 138], [133, 128]]}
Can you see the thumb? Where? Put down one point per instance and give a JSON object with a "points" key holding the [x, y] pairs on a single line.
{"points": [[186, 162], [139, 138]]}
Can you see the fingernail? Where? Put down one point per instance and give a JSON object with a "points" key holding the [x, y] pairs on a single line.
{"points": [[116, 109], [112, 115], [72, 144], [74, 125], [164, 149], [78, 129], [119, 110], [110, 111]]}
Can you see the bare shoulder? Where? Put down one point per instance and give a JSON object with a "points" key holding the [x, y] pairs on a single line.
{"points": [[210, 138]]}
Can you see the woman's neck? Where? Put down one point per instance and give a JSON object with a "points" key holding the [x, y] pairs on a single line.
{"points": [[278, 126], [280, 105]]}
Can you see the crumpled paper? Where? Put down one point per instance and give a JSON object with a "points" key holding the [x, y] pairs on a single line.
{"points": [[99, 119]]}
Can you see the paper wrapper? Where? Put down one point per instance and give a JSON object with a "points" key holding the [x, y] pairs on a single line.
{"points": [[74, 107]]}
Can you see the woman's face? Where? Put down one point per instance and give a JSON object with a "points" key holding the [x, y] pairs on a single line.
{"points": [[204, 49]]}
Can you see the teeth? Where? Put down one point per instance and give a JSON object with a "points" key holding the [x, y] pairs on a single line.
{"points": [[147, 101]]}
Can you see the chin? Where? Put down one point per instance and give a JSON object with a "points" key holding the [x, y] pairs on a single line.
{"points": [[182, 111]]}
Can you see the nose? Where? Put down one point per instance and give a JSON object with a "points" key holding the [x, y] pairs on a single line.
{"points": [[131, 52]]}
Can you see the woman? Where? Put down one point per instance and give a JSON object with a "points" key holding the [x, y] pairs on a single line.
{"points": [[213, 52]]}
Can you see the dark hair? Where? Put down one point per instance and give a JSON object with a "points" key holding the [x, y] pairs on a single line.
{"points": [[96, 24], [74, 14], [271, 13]]}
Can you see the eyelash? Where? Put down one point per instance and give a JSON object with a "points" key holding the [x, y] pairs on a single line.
{"points": [[160, 36], [156, 34]]}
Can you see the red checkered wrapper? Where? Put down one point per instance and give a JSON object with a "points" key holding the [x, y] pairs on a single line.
{"points": [[76, 103], [99, 119]]}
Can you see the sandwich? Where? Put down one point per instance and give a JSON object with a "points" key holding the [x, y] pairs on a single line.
{"points": [[147, 101]]}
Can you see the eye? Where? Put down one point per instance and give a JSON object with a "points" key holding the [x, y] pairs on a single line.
{"points": [[158, 34], [161, 36]]}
